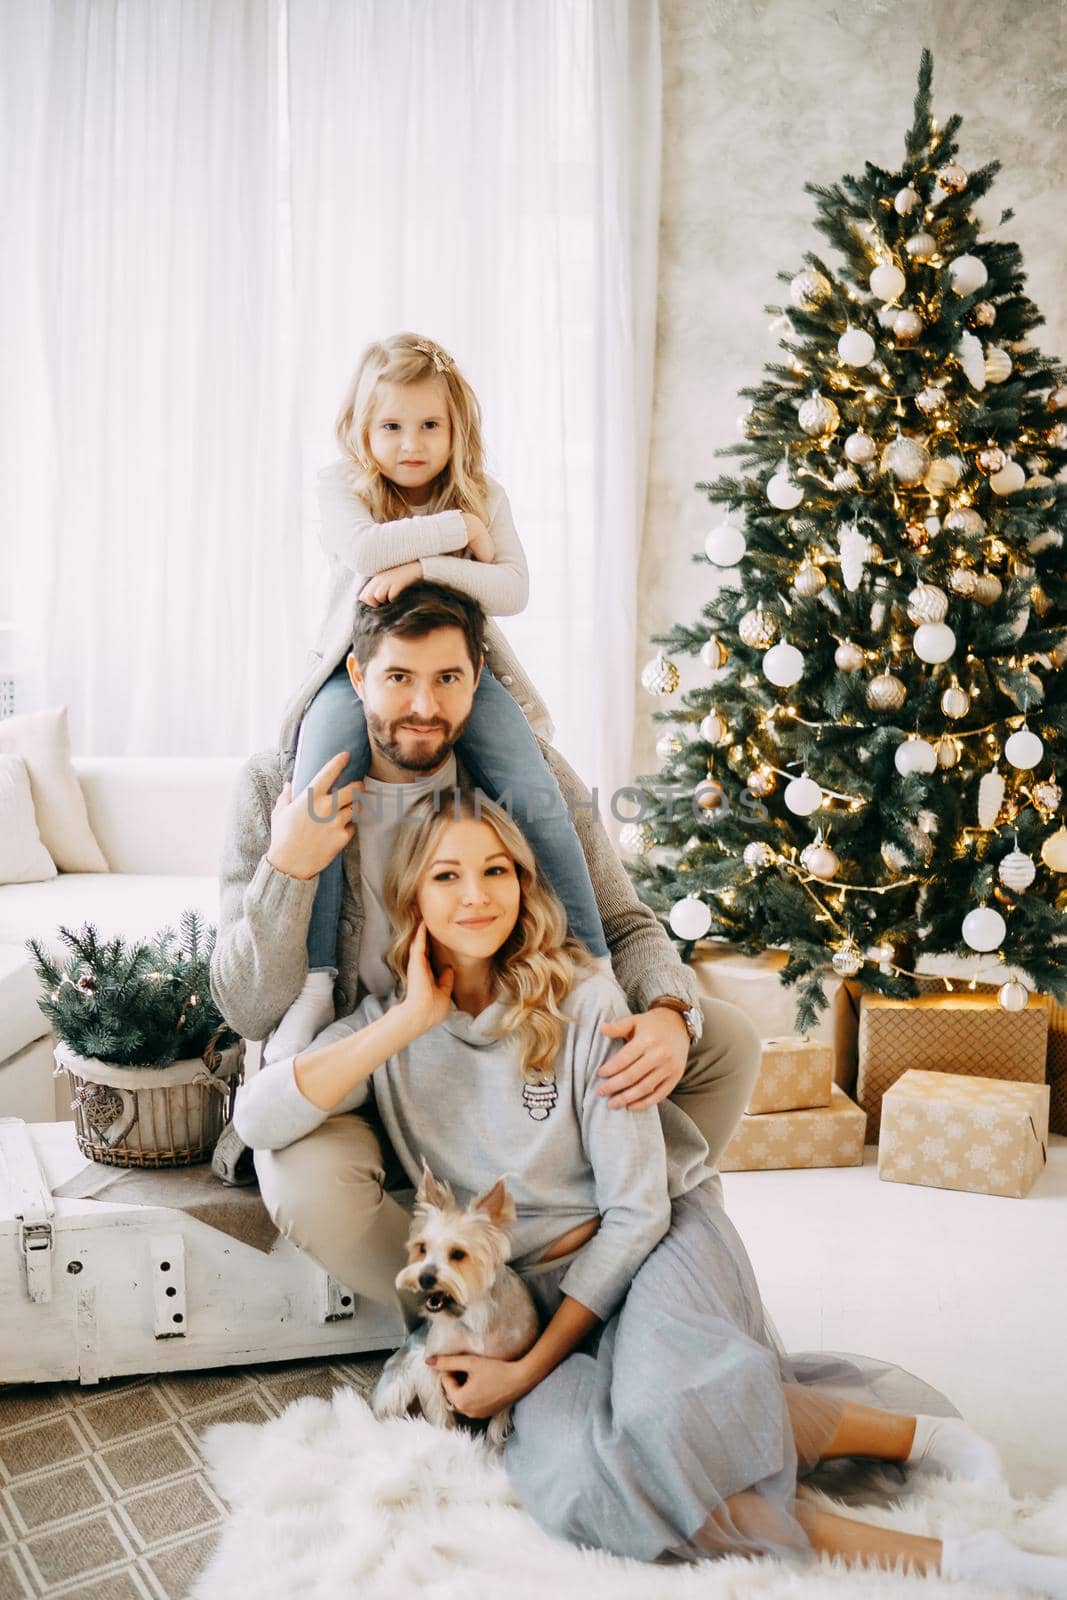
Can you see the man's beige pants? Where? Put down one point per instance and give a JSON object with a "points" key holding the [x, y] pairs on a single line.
{"points": [[329, 1192]]}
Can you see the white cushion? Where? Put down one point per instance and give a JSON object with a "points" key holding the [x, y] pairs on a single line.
{"points": [[23, 858], [42, 739], [21, 1022], [133, 905]]}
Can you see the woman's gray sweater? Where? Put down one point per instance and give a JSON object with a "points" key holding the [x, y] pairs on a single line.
{"points": [[458, 1098]]}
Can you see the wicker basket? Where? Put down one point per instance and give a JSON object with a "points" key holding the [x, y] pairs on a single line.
{"points": [[151, 1116]]}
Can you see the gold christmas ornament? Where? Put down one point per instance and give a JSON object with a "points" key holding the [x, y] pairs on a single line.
{"points": [[894, 858], [762, 781], [947, 751], [997, 365], [943, 474], [907, 459], [917, 535], [955, 702], [669, 745], [921, 246], [660, 676], [709, 795], [818, 417], [848, 657], [757, 629], [1056, 436], [810, 580], [963, 581], [952, 178], [992, 460], [886, 692], [809, 290], [1039, 480], [636, 838], [931, 399], [907, 327], [1047, 796], [987, 589], [927, 603], [1057, 400], [982, 315]]}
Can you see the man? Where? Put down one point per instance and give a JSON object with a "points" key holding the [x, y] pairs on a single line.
{"points": [[415, 665]]}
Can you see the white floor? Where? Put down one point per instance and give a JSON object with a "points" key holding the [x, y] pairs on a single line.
{"points": [[968, 1291]]}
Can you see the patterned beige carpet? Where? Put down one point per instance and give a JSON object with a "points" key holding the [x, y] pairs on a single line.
{"points": [[103, 1493]]}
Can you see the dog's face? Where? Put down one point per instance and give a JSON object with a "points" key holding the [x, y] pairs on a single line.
{"points": [[455, 1253]]}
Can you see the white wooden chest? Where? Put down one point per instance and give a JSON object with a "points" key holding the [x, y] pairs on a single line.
{"points": [[91, 1289]]}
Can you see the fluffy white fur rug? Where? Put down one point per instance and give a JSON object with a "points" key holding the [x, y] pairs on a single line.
{"points": [[327, 1502]]}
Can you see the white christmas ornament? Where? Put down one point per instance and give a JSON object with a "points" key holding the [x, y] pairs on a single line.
{"points": [[713, 729], [990, 798], [809, 289], [955, 702], [713, 654], [967, 274], [934, 641], [802, 796], [690, 918], [887, 282], [984, 929], [856, 347], [1024, 749], [855, 550], [921, 246], [757, 854], [782, 492], [859, 448], [1013, 996], [848, 657], [1017, 870], [886, 317], [668, 745], [915, 755], [725, 545], [905, 200], [972, 360], [818, 416], [1008, 479], [845, 480], [660, 676], [907, 459], [783, 664], [942, 474], [927, 603], [1054, 850], [907, 326], [818, 859]]}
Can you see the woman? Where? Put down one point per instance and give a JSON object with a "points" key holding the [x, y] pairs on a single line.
{"points": [[655, 1416]]}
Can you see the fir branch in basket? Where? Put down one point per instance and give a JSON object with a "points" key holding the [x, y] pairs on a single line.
{"points": [[141, 1004]]}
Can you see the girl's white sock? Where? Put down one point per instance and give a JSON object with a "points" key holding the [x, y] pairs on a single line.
{"points": [[948, 1445], [992, 1559], [310, 1012]]}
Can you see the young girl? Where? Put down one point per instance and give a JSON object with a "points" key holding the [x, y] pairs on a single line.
{"points": [[410, 500], [656, 1414]]}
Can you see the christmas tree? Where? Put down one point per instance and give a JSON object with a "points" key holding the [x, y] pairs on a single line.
{"points": [[869, 772]]}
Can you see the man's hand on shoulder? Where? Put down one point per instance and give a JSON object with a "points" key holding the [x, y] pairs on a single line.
{"points": [[650, 1064], [307, 832]]}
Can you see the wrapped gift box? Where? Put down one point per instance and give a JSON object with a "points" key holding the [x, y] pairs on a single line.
{"points": [[949, 1131], [794, 1073], [826, 1136], [754, 984], [961, 1032], [1057, 1069]]}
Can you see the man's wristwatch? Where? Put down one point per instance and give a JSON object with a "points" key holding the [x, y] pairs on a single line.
{"points": [[692, 1016]]}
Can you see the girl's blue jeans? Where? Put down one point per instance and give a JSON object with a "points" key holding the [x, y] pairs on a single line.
{"points": [[499, 750]]}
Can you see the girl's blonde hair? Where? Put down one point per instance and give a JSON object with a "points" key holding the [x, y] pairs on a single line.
{"points": [[537, 965], [408, 358]]}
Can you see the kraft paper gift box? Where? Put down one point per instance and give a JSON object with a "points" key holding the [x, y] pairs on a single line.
{"points": [[948, 1131], [794, 1073], [1057, 1069], [963, 1032], [753, 983], [826, 1136]]}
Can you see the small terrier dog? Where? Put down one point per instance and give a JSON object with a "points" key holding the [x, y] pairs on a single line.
{"points": [[471, 1300]]}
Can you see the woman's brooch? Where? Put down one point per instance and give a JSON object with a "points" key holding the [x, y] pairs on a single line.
{"points": [[539, 1098]]}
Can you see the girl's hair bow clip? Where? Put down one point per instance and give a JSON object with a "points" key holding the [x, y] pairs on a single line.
{"points": [[441, 361]]}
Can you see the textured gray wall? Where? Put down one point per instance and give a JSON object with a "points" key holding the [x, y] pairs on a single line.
{"points": [[761, 96]]}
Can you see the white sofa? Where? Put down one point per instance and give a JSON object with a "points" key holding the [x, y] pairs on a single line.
{"points": [[160, 823]]}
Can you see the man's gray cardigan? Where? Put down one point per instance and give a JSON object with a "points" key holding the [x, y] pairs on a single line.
{"points": [[260, 958]]}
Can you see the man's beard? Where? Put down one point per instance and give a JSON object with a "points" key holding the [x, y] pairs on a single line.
{"points": [[426, 758]]}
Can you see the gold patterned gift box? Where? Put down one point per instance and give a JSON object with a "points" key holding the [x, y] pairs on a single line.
{"points": [[948, 1131], [963, 1033], [1057, 1069], [825, 1136], [794, 1073]]}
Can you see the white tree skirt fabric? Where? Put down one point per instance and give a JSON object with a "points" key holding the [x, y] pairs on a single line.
{"points": [[328, 1502]]}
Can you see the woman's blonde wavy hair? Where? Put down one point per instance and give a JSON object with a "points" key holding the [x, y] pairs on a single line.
{"points": [[538, 964], [408, 358]]}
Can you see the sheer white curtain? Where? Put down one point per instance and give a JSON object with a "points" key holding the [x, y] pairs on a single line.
{"points": [[214, 207]]}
